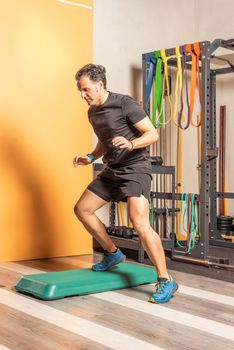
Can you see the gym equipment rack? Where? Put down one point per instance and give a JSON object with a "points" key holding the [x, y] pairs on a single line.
{"points": [[209, 234]]}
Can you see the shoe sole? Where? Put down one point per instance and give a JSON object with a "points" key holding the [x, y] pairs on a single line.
{"points": [[110, 266], [152, 300]]}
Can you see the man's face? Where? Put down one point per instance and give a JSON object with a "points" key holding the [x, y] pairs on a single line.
{"points": [[90, 90]]}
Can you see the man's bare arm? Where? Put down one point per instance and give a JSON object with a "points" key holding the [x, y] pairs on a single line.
{"points": [[149, 136], [88, 159], [98, 151]]}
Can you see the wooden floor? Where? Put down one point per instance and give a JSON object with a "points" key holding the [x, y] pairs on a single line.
{"points": [[199, 316]]}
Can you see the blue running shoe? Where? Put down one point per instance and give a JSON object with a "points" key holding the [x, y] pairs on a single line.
{"points": [[165, 288], [109, 260]]}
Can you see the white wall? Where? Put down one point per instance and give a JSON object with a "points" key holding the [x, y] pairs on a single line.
{"points": [[124, 29], [216, 21]]}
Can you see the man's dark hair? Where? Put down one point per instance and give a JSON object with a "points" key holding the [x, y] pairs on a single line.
{"points": [[94, 72]]}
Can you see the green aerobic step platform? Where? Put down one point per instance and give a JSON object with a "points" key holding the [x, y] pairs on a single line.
{"points": [[56, 285]]}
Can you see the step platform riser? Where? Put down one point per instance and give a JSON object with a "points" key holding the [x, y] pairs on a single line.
{"points": [[57, 285]]}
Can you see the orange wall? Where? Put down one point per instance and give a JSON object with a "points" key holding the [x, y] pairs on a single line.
{"points": [[43, 125]]}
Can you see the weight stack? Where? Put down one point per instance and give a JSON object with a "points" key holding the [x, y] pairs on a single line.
{"points": [[121, 231], [225, 224]]}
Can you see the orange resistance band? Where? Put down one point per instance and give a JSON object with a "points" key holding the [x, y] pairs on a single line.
{"points": [[195, 76]]}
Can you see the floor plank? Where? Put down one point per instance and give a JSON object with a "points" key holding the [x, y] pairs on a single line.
{"points": [[153, 330], [196, 306], [20, 331], [90, 330], [150, 328]]}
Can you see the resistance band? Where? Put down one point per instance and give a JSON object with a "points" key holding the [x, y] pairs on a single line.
{"points": [[121, 213], [195, 76], [165, 58], [189, 209], [178, 84], [181, 117], [151, 62], [158, 120], [118, 215]]}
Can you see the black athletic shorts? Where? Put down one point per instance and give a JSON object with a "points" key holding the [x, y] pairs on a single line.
{"points": [[116, 185]]}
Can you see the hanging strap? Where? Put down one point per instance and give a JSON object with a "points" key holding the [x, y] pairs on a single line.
{"points": [[197, 217], [178, 84], [165, 58], [189, 209], [181, 116], [182, 218], [158, 93], [195, 75], [191, 238], [188, 204], [194, 228], [121, 213], [197, 51], [150, 60]]}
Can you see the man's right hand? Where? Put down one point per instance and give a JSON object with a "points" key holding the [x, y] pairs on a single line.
{"points": [[81, 160]]}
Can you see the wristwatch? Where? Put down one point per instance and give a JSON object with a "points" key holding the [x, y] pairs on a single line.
{"points": [[91, 157]]}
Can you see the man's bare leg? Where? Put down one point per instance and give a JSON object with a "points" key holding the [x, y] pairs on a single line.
{"points": [[139, 215], [85, 210]]}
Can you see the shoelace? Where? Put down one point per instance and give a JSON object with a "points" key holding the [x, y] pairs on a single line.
{"points": [[106, 258], [160, 286]]}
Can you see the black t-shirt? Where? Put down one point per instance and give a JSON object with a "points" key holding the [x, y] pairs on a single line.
{"points": [[116, 117]]}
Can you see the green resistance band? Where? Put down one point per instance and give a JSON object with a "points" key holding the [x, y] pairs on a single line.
{"points": [[158, 121], [194, 220]]}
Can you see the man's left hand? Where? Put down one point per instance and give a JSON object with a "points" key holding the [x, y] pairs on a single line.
{"points": [[122, 142]]}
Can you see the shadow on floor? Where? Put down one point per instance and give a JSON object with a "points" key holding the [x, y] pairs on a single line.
{"points": [[211, 272]]}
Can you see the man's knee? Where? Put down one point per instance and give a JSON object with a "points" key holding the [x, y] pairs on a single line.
{"points": [[78, 210], [81, 211], [141, 225]]}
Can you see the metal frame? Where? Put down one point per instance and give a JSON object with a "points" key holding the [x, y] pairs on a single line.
{"points": [[168, 244], [216, 238], [208, 191]]}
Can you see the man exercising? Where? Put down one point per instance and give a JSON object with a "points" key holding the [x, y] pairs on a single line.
{"points": [[124, 131]]}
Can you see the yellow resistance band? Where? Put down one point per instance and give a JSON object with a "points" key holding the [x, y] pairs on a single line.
{"points": [[178, 84], [165, 58], [121, 213]]}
